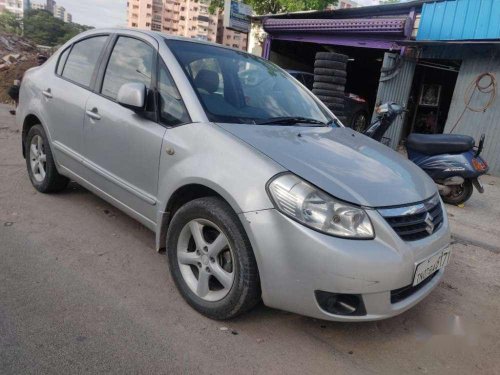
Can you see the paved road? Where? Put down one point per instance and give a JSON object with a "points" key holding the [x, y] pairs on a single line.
{"points": [[83, 291]]}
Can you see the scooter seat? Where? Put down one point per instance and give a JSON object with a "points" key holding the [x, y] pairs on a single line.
{"points": [[436, 144]]}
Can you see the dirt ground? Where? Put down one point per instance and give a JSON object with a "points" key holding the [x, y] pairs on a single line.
{"points": [[82, 290]]}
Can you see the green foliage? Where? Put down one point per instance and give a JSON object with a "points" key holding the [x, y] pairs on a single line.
{"points": [[10, 23], [43, 28], [278, 6]]}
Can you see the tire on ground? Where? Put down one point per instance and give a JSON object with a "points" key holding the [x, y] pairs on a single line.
{"points": [[53, 181], [245, 291]]}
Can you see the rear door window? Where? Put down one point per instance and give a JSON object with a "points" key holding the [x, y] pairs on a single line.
{"points": [[130, 61], [82, 60], [62, 61]]}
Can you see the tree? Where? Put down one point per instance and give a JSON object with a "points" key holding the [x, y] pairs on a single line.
{"points": [[10, 23], [43, 28], [278, 6]]}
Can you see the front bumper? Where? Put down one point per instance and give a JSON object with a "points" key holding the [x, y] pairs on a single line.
{"points": [[295, 261]]}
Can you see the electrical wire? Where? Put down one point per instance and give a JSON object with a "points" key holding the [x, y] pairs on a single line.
{"points": [[489, 88]]}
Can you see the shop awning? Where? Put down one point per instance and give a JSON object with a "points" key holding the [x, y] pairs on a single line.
{"points": [[355, 26]]}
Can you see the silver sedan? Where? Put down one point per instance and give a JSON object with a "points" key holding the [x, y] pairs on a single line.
{"points": [[252, 186]]}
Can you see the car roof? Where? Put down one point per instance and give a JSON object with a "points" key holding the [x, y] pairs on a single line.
{"points": [[155, 34]]}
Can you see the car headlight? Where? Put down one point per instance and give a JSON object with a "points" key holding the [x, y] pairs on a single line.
{"points": [[314, 208]]}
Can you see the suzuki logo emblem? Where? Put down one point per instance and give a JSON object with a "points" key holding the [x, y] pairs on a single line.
{"points": [[430, 224]]}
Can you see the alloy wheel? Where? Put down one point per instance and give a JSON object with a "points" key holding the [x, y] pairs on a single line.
{"points": [[206, 260], [38, 158]]}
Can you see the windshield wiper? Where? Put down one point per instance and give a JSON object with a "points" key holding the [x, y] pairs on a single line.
{"points": [[292, 120]]}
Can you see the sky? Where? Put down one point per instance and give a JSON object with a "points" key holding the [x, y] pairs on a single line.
{"points": [[98, 13], [110, 13]]}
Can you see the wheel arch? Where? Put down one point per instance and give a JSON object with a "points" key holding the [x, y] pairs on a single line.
{"points": [[178, 198], [29, 121]]}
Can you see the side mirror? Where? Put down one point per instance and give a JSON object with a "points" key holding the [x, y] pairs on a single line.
{"points": [[132, 95]]}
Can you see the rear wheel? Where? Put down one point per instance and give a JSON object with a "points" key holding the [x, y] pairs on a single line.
{"points": [[459, 193], [40, 163], [211, 260]]}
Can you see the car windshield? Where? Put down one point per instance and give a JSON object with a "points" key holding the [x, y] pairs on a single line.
{"points": [[236, 87]]}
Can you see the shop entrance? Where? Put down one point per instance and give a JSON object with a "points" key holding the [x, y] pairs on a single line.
{"points": [[431, 94], [363, 68]]}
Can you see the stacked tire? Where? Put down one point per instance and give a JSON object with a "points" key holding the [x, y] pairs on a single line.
{"points": [[330, 76]]}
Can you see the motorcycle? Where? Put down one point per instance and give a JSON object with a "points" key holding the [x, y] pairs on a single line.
{"points": [[451, 160]]}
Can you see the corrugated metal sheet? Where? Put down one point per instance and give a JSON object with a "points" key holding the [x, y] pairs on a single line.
{"points": [[460, 20], [395, 87], [472, 123]]}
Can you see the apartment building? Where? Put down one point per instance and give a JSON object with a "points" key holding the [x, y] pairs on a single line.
{"points": [[18, 7], [61, 13], [58, 11], [346, 4], [188, 18]]}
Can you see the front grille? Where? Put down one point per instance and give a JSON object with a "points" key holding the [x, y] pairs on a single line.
{"points": [[417, 221], [400, 294]]}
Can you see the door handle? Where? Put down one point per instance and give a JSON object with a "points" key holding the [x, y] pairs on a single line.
{"points": [[93, 114], [47, 93]]}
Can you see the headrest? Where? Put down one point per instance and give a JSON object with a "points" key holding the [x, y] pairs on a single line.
{"points": [[207, 80]]}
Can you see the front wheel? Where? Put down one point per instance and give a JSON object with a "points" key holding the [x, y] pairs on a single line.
{"points": [[211, 260], [459, 193]]}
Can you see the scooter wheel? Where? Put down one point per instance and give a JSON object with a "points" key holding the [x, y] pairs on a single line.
{"points": [[459, 193]]}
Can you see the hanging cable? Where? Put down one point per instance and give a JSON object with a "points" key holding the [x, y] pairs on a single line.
{"points": [[489, 88]]}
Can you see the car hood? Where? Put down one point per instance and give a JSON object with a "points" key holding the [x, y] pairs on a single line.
{"points": [[344, 163]]}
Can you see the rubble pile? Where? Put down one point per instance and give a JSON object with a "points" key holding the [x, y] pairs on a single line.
{"points": [[17, 54]]}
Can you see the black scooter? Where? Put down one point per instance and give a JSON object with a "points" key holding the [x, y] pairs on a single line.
{"points": [[452, 161]]}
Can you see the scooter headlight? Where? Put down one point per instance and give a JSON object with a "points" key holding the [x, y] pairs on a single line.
{"points": [[316, 209]]}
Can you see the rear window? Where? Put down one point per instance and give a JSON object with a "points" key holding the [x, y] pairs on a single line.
{"points": [[82, 60], [62, 61]]}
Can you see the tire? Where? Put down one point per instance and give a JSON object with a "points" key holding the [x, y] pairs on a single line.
{"points": [[211, 215], [460, 194], [40, 163], [330, 79], [330, 72], [330, 64], [332, 56], [359, 121], [333, 94], [331, 99], [328, 86]]}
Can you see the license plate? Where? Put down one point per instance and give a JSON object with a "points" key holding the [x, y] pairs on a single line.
{"points": [[431, 265]]}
